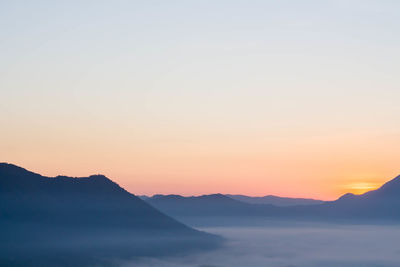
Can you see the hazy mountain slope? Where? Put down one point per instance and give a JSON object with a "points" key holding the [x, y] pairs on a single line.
{"points": [[275, 200], [205, 205], [382, 205], [212, 210], [87, 217]]}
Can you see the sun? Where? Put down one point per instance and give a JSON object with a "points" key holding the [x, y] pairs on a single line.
{"points": [[361, 187]]}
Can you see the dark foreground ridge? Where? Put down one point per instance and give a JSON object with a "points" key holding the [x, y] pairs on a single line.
{"points": [[64, 221]]}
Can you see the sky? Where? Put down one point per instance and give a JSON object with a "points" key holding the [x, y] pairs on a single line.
{"points": [[291, 98]]}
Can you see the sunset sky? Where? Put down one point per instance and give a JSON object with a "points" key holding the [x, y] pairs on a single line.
{"points": [[292, 98]]}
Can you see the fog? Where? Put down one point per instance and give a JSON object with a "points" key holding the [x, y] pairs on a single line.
{"points": [[295, 245]]}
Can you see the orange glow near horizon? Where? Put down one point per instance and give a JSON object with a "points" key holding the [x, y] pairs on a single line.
{"points": [[361, 187], [322, 168], [190, 157]]}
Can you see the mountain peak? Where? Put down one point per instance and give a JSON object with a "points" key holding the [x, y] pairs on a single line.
{"points": [[347, 196], [14, 178], [98, 176], [4, 166], [214, 196], [390, 190], [10, 173]]}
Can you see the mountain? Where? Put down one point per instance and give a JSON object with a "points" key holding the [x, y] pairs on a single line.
{"points": [[207, 205], [275, 200], [211, 210], [270, 199], [77, 221], [378, 206]]}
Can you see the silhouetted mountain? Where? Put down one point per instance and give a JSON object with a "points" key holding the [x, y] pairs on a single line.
{"points": [[64, 220], [389, 191], [275, 200], [206, 210], [381, 205], [207, 205]]}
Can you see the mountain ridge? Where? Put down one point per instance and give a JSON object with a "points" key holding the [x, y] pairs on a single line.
{"points": [[390, 189], [268, 199], [86, 218], [377, 206], [275, 200]]}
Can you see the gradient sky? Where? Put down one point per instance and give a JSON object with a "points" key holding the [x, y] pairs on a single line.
{"points": [[293, 98]]}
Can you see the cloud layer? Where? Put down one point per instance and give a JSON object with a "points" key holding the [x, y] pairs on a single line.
{"points": [[301, 245]]}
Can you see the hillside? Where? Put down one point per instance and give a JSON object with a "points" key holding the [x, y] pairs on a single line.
{"points": [[85, 219]]}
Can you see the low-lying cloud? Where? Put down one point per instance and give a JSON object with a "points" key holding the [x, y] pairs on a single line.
{"points": [[300, 245]]}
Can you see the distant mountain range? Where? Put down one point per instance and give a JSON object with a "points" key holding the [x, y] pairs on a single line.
{"points": [[206, 205], [270, 199], [211, 210], [275, 200], [378, 206], [81, 220]]}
